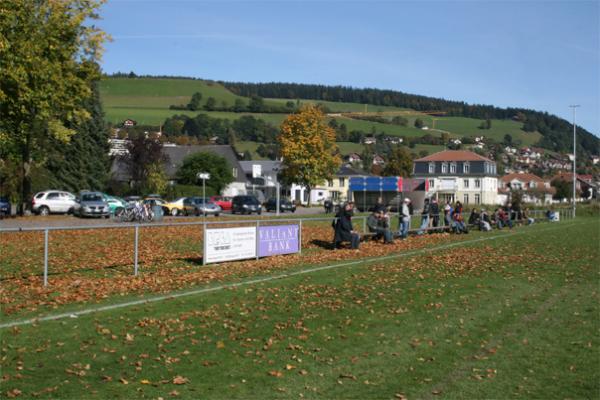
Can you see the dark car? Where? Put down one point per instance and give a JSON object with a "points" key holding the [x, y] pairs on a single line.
{"points": [[5, 208], [284, 205], [245, 205]]}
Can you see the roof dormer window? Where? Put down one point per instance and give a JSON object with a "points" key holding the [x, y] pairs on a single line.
{"points": [[466, 167], [444, 168], [431, 168], [453, 168]]}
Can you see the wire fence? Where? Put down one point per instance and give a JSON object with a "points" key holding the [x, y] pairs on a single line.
{"points": [[117, 246]]}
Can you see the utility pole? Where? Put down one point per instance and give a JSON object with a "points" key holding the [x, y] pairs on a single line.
{"points": [[574, 107]]}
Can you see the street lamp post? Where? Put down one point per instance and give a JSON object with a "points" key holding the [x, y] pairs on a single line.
{"points": [[574, 107], [204, 176]]}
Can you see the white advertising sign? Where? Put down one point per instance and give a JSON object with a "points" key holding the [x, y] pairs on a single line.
{"points": [[229, 244]]}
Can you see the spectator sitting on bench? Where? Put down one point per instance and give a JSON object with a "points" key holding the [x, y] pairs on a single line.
{"points": [[474, 218], [458, 221], [344, 232], [525, 216], [485, 224], [379, 224]]}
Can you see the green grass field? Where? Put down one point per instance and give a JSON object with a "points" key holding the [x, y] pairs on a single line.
{"points": [[147, 101], [510, 314]]}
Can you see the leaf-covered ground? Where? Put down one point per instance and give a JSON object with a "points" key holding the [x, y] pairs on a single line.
{"points": [[516, 316]]}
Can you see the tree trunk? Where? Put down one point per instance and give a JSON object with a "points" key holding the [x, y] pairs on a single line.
{"points": [[25, 178]]}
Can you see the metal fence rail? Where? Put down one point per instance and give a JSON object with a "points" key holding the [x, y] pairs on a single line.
{"points": [[536, 214]]}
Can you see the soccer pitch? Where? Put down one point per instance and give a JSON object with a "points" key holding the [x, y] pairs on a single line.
{"points": [[500, 314]]}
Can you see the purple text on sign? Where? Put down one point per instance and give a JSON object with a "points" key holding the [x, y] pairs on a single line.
{"points": [[277, 239]]}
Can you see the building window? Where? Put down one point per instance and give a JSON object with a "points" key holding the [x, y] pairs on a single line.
{"points": [[453, 168], [532, 184], [335, 196], [494, 169], [466, 168], [477, 183], [234, 172], [329, 183], [466, 199], [466, 183], [342, 182], [477, 199], [431, 184], [431, 168], [444, 168]]}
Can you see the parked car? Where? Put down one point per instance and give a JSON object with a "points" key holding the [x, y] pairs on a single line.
{"points": [[116, 204], [92, 204], [5, 207], [200, 206], [174, 208], [222, 201], [245, 205], [53, 201], [154, 201], [284, 205]]}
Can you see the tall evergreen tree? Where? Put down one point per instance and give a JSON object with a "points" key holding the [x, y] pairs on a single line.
{"points": [[83, 162]]}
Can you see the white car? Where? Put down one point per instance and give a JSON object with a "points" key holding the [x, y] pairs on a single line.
{"points": [[53, 201]]}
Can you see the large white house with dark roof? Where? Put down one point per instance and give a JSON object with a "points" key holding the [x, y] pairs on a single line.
{"points": [[458, 175]]}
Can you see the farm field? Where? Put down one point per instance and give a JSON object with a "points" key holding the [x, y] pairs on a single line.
{"points": [[500, 314], [147, 101]]}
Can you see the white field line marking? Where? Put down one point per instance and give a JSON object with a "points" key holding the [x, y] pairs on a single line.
{"points": [[261, 280]]}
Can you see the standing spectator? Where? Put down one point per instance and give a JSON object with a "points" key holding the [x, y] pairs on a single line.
{"points": [[404, 216], [425, 217], [435, 213], [328, 204], [448, 214], [344, 232], [379, 206]]}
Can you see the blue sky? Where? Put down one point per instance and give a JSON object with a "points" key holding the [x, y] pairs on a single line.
{"points": [[542, 55]]}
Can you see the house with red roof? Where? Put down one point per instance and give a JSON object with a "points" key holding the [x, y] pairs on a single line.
{"points": [[534, 189], [459, 175]]}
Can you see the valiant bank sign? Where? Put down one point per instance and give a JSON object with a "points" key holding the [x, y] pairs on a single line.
{"points": [[227, 244], [278, 239]]}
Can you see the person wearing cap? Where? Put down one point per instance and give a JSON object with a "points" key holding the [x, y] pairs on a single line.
{"points": [[404, 216]]}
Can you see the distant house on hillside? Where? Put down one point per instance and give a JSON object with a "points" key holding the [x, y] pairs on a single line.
{"points": [[129, 123], [369, 140], [353, 158], [378, 160]]}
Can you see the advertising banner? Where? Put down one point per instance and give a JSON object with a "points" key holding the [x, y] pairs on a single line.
{"points": [[278, 239], [229, 244]]}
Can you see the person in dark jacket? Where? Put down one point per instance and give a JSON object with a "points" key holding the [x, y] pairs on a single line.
{"points": [[424, 217], [434, 212], [344, 232]]}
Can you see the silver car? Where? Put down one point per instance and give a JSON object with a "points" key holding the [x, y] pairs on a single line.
{"points": [[203, 206], [53, 201], [92, 204]]}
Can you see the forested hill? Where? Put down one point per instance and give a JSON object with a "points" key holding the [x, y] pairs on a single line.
{"points": [[556, 132]]}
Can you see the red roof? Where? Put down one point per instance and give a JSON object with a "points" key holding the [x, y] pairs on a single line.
{"points": [[525, 177], [454, 155]]}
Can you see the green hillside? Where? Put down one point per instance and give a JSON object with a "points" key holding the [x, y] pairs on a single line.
{"points": [[147, 101]]}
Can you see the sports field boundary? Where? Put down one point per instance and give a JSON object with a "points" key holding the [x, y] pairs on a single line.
{"points": [[369, 260]]}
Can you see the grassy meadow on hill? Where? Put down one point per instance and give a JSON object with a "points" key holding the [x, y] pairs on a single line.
{"points": [[147, 101]]}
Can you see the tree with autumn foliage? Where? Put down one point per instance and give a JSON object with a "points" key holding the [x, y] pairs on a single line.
{"points": [[307, 147], [48, 61]]}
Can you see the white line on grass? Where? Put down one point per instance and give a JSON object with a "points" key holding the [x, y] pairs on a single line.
{"points": [[259, 280]]}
